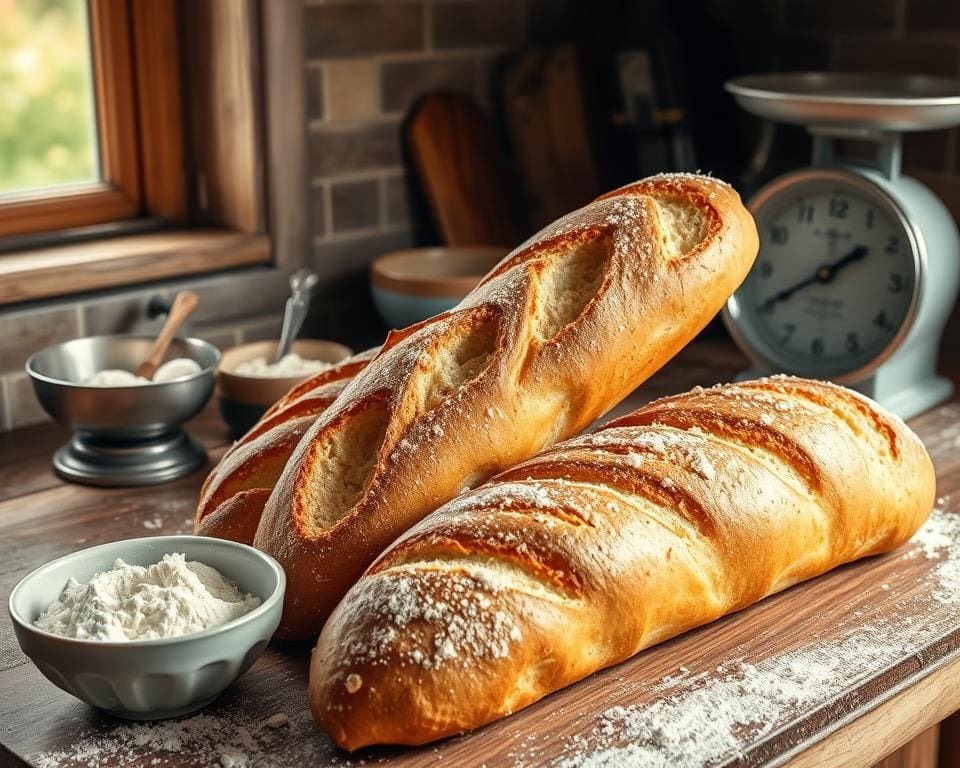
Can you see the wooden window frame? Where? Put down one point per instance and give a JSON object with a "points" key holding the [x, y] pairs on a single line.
{"points": [[232, 171], [139, 130]]}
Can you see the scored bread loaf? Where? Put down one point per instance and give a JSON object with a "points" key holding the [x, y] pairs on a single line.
{"points": [[665, 519], [233, 495], [559, 332]]}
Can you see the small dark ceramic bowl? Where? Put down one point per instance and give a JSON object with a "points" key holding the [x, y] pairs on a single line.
{"points": [[244, 399]]}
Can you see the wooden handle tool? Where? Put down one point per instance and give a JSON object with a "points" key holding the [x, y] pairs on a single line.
{"points": [[183, 305]]}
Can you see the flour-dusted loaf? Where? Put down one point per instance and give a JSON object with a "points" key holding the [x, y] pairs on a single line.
{"points": [[233, 495], [665, 519], [560, 331]]}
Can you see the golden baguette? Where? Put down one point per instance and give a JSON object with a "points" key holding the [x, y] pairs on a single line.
{"points": [[663, 520], [565, 327], [559, 332]]}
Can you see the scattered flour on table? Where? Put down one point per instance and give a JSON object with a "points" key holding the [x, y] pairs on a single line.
{"points": [[708, 717], [940, 538], [278, 720], [230, 741], [950, 435], [131, 602]]}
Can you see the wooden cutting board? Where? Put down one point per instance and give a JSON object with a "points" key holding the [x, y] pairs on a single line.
{"points": [[460, 167], [545, 110]]}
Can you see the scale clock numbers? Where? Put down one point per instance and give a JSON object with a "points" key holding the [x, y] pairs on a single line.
{"points": [[859, 264], [833, 283]]}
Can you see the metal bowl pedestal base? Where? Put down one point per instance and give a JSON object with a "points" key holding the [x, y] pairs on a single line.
{"points": [[112, 462]]}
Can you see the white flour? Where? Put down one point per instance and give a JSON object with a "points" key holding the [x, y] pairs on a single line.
{"points": [[289, 365], [178, 368], [228, 740], [131, 602]]}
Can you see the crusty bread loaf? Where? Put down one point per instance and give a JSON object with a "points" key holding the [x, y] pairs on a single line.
{"points": [[685, 510], [560, 331], [235, 491]]}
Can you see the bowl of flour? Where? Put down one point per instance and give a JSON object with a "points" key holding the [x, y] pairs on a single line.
{"points": [[250, 379], [149, 628], [87, 384]]}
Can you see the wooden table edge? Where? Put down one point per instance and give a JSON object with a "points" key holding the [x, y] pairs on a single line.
{"points": [[903, 712]]}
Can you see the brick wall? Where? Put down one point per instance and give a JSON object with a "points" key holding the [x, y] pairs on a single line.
{"points": [[367, 63]]}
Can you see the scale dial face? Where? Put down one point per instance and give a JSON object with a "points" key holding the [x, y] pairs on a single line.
{"points": [[834, 285]]}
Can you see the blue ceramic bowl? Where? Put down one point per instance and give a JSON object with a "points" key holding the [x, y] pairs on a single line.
{"points": [[411, 285]]}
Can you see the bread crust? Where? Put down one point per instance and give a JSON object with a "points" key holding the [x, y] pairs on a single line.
{"points": [[233, 495], [564, 328], [685, 510]]}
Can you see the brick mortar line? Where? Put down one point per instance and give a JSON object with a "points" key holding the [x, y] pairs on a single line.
{"points": [[433, 54], [7, 405], [928, 36], [382, 202], [324, 95], [258, 321], [367, 174], [359, 234], [318, 125], [327, 210], [833, 44], [428, 25]]}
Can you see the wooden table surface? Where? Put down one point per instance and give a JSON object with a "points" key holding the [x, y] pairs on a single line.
{"points": [[837, 671]]}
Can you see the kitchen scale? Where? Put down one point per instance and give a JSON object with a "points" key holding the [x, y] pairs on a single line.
{"points": [[859, 265]]}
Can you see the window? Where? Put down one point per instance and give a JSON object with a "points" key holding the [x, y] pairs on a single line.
{"points": [[46, 98], [97, 127], [73, 119]]}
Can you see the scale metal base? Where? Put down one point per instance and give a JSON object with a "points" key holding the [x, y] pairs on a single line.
{"points": [[124, 462]]}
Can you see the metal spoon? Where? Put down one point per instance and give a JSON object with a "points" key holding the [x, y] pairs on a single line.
{"points": [[302, 283]]}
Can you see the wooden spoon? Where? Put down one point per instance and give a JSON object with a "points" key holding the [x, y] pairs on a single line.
{"points": [[183, 304]]}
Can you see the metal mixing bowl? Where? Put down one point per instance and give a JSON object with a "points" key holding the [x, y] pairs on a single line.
{"points": [[119, 412]]}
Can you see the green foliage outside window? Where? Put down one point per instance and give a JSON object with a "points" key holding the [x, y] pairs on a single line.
{"points": [[47, 123]]}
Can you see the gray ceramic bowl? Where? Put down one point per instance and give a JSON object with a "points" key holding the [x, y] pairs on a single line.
{"points": [[151, 679], [127, 412]]}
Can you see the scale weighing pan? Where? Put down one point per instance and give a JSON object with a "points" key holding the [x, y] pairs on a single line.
{"points": [[851, 100]]}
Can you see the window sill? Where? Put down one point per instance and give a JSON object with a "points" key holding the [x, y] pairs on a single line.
{"points": [[89, 266]]}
